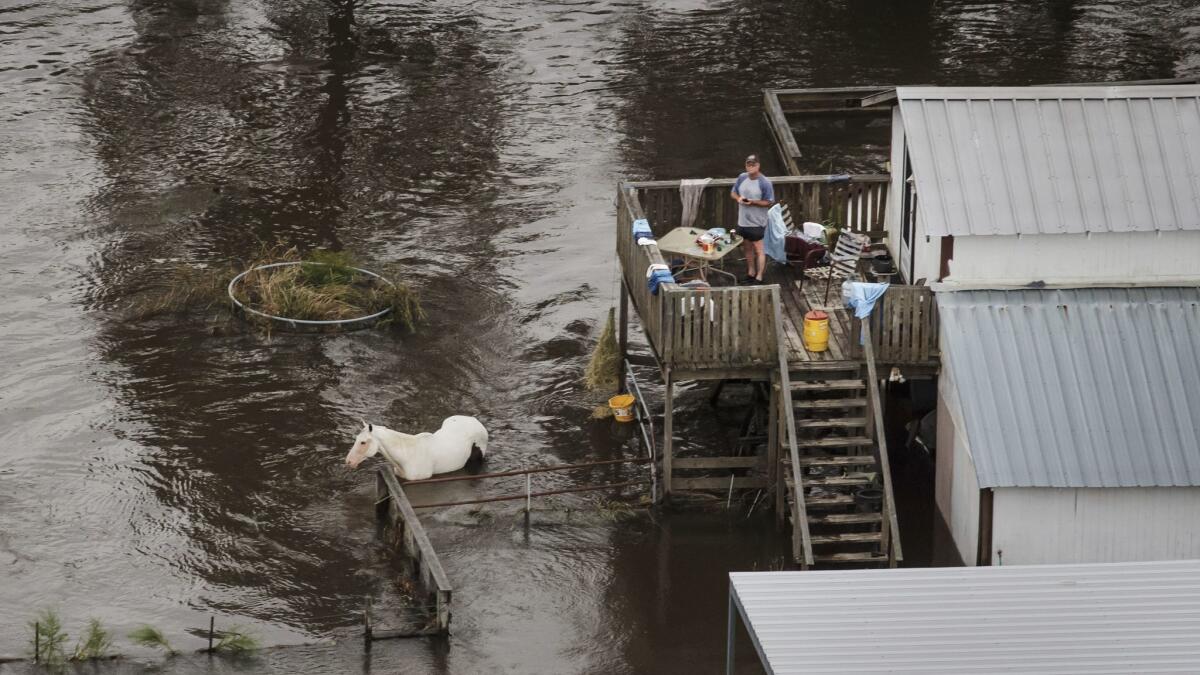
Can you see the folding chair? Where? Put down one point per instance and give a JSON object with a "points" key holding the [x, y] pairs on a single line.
{"points": [[843, 261]]}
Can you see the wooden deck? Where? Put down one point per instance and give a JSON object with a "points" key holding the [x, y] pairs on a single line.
{"points": [[729, 332], [796, 303]]}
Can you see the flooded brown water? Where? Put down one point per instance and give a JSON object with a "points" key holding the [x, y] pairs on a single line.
{"points": [[155, 472]]}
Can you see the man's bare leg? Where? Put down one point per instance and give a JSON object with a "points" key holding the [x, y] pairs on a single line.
{"points": [[751, 257], [761, 256]]}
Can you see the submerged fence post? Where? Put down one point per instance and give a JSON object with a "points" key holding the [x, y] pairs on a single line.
{"points": [[528, 497], [37, 642], [367, 623], [212, 624]]}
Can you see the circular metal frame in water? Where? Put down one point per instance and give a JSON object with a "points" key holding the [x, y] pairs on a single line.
{"points": [[357, 322]]}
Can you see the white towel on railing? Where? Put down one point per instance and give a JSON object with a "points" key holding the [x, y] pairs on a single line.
{"points": [[690, 192]]}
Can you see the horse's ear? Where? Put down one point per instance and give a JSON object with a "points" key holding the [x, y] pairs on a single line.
{"points": [[370, 429], [364, 423]]}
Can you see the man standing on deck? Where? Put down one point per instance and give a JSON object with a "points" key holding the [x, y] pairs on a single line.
{"points": [[754, 195]]}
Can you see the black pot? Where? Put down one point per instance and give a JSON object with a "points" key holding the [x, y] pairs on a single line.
{"points": [[869, 500]]}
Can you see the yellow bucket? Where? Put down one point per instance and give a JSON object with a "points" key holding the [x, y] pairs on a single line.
{"points": [[816, 331], [622, 407]]}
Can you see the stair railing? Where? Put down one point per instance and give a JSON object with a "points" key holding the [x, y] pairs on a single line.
{"points": [[801, 540], [890, 530]]}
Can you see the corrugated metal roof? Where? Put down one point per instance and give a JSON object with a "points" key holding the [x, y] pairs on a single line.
{"points": [[1008, 160], [1086, 387], [1097, 618]]}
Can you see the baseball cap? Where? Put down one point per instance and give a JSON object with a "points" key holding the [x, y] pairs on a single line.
{"points": [[752, 159]]}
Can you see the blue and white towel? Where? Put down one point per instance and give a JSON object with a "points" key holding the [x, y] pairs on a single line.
{"points": [[641, 228], [656, 275], [861, 296]]}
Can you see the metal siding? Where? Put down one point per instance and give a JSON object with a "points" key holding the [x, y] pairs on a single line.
{"points": [[1133, 617], [1046, 160], [1094, 525], [1092, 387]]}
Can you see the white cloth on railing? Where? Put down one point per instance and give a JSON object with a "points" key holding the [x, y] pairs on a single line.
{"points": [[690, 192]]}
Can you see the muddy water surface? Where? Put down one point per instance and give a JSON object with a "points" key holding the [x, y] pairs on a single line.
{"points": [[153, 471]]}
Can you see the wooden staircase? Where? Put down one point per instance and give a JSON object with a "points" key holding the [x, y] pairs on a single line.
{"points": [[839, 470], [833, 485]]}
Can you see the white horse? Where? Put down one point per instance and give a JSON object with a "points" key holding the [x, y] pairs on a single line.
{"points": [[461, 439]]}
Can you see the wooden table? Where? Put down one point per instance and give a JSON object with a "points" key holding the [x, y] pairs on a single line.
{"points": [[681, 241]]}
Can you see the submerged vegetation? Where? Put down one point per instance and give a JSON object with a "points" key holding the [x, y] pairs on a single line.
{"points": [[236, 641], [149, 636], [603, 370], [319, 286], [96, 643], [49, 639]]}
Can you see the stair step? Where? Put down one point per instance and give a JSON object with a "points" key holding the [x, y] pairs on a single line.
{"points": [[811, 367], [835, 423], [845, 538], [840, 481], [826, 403], [828, 501], [847, 460], [846, 519], [859, 557], [835, 442], [822, 385]]}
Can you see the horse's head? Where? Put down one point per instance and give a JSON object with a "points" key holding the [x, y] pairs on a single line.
{"points": [[365, 445]]}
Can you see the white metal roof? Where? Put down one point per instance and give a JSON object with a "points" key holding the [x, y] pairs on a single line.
{"points": [[1085, 387], [1029, 160], [1046, 619]]}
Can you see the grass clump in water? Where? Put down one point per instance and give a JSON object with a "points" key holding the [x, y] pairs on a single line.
{"points": [[183, 289], [604, 367], [149, 636], [325, 286], [236, 641], [49, 639], [95, 644], [322, 286]]}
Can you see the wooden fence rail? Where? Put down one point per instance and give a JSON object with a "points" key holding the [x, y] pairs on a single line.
{"points": [[904, 326], [392, 506], [711, 328], [856, 203]]}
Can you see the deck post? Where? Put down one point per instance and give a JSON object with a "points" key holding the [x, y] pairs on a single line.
{"points": [[668, 432], [730, 633], [774, 477], [623, 337]]}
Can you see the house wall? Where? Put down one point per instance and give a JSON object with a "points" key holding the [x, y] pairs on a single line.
{"points": [[1084, 525], [955, 485], [1128, 257], [927, 250], [895, 200]]}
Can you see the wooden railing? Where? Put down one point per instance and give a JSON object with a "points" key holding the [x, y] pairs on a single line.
{"points": [[854, 202], [392, 507], [730, 328], [801, 539], [904, 326], [890, 529]]}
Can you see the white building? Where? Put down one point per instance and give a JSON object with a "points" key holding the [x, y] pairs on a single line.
{"points": [[1062, 228], [1115, 618], [1004, 186]]}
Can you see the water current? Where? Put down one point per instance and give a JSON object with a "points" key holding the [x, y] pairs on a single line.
{"points": [[162, 472]]}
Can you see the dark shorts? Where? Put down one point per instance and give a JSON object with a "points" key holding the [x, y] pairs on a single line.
{"points": [[752, 233]]}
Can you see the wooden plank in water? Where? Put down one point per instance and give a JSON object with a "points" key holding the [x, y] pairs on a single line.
{"points": [[719, 462], [719, 482]]}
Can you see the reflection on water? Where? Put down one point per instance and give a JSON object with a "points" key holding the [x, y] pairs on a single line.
{"points": [[154, 471]]}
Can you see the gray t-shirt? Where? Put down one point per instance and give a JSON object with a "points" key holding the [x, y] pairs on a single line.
{"points": [[753, 216]]}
